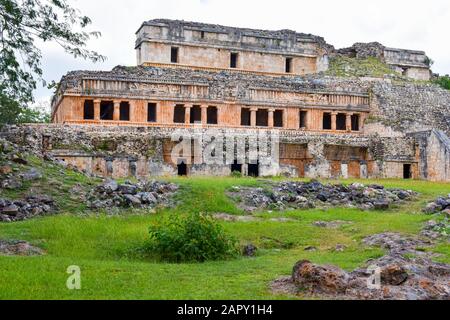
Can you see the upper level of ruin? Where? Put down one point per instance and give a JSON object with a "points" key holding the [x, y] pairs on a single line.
{"points": [[163, 42]]}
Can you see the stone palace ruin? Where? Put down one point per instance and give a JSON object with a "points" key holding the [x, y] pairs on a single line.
{"points": [[195, 76]]}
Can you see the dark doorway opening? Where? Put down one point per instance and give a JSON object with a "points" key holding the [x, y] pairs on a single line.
{"points": [[303, 119], [234, 60], [89, 110], [174, 55], [262, 118], [253, 170], [212, 115], [355, 122], [124, 111], [182, 169], [151, 112], [245, 117], [196, 115], [236, 167], [288, 65], [179, 115], [341, 122], [278, 119], [327, 121], [107, 110], [407, 171]]}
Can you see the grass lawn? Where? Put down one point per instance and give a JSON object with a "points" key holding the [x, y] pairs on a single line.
{"points": [[105, 247]]}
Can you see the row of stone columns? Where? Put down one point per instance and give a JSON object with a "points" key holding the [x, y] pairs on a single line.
{"points": [[271, 122], [97, 108], [348, 121], [204, 109]]}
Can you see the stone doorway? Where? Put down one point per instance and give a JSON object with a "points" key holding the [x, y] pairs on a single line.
{"points": [[182, 169], [253, 170], [407, 171], [236, 167]]}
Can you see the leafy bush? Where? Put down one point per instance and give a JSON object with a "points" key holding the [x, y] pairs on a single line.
{"points": [[195, 237], [236, 174], [444, 82]]}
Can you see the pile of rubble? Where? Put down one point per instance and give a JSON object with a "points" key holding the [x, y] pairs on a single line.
{"points": [[440, 205], [405, 273], [11, 178], [435, 230], [303, 195], [32, 206], [18, 248], [144, 194]]}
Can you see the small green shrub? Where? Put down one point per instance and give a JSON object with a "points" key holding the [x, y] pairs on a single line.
{"points": [[444, 82], [236, 174], [195, 237]]}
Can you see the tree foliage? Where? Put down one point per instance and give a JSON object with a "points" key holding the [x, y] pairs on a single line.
{"points": [[444, 82], [22, 23]]}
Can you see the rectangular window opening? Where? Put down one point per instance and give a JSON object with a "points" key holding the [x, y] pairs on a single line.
{"points": [[196, 115], [234, 60], [151, 112], [212, 115], [107, 110], [341, 122], [174, 55], [124, 111], [278, 119], [355, 122], [262, 118], [303, 119], [288, 65], [179, 115], [245, 117], [88, 110], [326, 121]]}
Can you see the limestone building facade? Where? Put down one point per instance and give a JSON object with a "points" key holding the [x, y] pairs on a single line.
{"points": [[119, 123]]}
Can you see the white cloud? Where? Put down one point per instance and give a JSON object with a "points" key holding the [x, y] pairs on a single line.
{"points": [[406, 24]]}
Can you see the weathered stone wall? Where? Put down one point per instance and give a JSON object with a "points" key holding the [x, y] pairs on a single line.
{"points": [[134, 151], [409, 107], [434, 153]]}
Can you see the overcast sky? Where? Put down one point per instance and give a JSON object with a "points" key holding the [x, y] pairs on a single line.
{"points": [[408, 24]]}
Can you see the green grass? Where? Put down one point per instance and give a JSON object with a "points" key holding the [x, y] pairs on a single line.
{"points": [[105, 247]]}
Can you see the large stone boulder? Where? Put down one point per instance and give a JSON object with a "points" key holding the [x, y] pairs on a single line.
{"points": [[320, 279]]}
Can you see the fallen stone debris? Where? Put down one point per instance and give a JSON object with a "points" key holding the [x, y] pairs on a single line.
{"points": [[407, 272], [144, 194], [32, 206], [304, 195], [440, 205], [19, 248]]}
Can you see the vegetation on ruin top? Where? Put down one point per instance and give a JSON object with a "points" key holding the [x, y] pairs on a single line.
{"points": [[353, 67]]}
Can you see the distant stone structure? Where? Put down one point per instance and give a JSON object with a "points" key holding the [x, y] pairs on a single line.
{"points": [[119, 123]]}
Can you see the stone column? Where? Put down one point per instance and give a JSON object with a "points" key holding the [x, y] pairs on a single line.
{"points": [[187, 117], [116, 116], [97, 110], [348, 123], [253, 117], [271, 118], [333, 120], [204, 115]]}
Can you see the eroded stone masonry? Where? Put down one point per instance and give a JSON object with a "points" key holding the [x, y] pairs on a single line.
{"points": [[195, 77]]}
